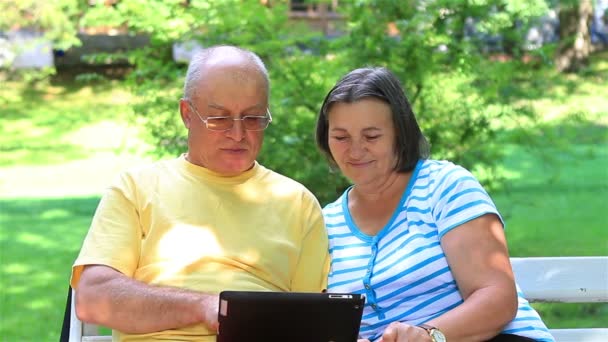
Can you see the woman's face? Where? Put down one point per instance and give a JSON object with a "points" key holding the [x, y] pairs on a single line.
{"points": [[362, 140]]}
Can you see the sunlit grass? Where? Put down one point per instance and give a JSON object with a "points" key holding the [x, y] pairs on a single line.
{"points": [[39, 240], [44, 125], [554, 203], [563, 209], [65, 140]]}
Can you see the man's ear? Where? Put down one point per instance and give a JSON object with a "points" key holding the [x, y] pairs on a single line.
{"points": [[184, 110]]}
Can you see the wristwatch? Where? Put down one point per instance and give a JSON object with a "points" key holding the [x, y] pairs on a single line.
{"points": [[436, 334]]}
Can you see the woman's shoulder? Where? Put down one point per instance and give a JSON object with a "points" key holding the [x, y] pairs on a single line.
{"points": [[440, 168], [335, 208]]}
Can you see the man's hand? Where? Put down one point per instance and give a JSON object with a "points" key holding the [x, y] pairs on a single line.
{"points": [[210, 307]]}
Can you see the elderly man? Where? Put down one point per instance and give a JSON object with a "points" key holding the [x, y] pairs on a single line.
{"points": [[168, 237]]}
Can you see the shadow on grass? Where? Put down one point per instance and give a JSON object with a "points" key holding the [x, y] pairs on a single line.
{"points": [[67, 81], [566, 154], [38, 121], [39, 241], [574, 128], [511, 81]]}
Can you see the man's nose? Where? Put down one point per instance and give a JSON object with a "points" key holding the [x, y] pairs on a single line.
{"points": [[237, 132]]}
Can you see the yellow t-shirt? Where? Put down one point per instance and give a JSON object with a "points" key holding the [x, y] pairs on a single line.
{"points": [[178, 224]]}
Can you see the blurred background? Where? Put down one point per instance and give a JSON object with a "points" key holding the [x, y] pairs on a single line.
{"points": [[516, 91]]}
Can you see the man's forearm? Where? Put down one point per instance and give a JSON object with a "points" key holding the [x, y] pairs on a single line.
{"points": [[130, 306]]}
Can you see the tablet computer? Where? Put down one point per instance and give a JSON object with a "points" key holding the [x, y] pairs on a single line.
{"points": [[289, 316]]}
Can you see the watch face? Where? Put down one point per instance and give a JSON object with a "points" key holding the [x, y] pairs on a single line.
{"points": [[437, 335]]}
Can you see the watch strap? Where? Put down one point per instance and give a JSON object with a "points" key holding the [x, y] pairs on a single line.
{"points": [[431, 330], [426, 327]]}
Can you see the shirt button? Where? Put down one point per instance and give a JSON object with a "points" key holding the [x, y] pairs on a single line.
{"points": [[374, 306], [367, 287]]}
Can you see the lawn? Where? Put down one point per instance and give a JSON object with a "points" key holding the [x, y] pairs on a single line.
{"points": [[39, 240], [556, 197], [62, 143]]}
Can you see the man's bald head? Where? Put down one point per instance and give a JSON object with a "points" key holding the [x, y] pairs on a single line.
{"points": [[238, 63]]}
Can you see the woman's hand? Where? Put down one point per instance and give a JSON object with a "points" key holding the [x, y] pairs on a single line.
{"points": [[402, 332]]}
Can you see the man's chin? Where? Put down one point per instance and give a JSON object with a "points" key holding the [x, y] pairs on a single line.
{"points": [[236, 169]]}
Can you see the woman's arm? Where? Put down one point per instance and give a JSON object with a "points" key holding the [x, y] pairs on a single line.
{"points": [[107, 297], [477, 254], [479, 260]]}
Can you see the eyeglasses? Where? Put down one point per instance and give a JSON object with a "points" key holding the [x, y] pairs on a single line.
{"points": [[224, 123]]}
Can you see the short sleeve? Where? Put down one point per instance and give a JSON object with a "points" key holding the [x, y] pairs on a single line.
{"points": [[311, 271], [114, 237], [459, 198]]}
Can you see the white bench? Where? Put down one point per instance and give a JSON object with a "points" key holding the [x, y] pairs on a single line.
{"points": [[81, 331], [566, 280], [550, 279]]}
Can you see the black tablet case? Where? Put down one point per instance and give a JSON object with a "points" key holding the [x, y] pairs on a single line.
{"points": [[289, 316]]}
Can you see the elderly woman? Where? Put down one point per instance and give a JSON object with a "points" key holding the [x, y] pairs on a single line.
{"points": [[420, 238]]}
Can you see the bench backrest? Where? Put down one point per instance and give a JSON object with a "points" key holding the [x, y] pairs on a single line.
{"points": [[566, 280], [563, 279]]}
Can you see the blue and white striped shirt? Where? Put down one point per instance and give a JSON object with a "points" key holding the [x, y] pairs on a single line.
{"points": [[402, 270]]}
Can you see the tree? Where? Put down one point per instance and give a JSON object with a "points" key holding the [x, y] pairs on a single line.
{"points": [[575, 40], [57, 19], [457, 93]]}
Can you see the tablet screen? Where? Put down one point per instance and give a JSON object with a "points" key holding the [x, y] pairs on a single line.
{"points": [[289, 316]]}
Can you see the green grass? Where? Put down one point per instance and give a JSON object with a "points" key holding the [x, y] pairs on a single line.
{"points": [[61, 144], [556, 211], [556, 195], [65, 140], [48, 124], [39, 241], [557, 166]]}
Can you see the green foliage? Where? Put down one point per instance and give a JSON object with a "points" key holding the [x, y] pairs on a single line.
{"points": [[57, 19], [456, 93], [101, 15], [440, 67], [289, 147]]}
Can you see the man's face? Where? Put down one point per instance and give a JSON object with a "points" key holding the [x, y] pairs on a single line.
{"points": [[229, 91]]}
